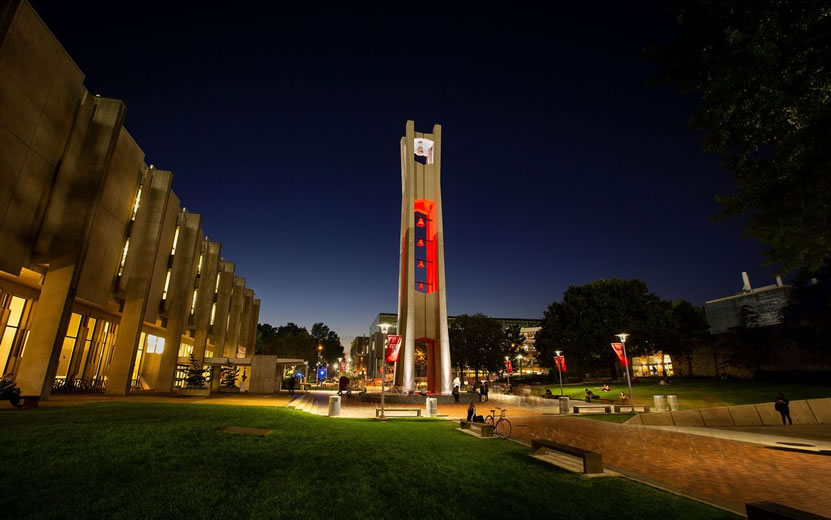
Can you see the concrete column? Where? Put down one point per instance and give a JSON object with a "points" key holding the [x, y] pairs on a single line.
{"points": [[179, 297], [232, 334], [223, 307], [40, 360], [129, 332], [205, 299]]}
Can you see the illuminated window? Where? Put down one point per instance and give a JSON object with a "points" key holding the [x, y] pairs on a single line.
{"points": [[123, 257], [166, 284], [68, 345], [136, 204], [155, 344], [216, 290], [199, 267], [193, 303], [213, 313], [209, 350], [175, 241], [185, 350], [16, 306]]}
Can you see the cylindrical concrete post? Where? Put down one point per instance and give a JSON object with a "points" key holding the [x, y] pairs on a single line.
{"points": [[432, 409], [334, 405], [563, 405], [672, 400], [660, 403]]}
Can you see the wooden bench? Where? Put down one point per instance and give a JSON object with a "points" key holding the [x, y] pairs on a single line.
{"points": [[485, 429], [592, 461], [577, 407], [388, 410]]}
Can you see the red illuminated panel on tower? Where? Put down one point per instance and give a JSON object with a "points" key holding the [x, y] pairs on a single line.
{"points": [[426, 250]]}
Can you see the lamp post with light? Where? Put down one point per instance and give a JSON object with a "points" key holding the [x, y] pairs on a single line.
{"points": [[519, 358], [385, 327], [319, 361], [559, 353], [623, 337]]}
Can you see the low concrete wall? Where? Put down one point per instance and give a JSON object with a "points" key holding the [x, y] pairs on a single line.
{"points": [[810, 411]]}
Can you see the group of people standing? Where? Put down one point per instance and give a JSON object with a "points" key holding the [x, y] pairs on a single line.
{"points": [[480, 388]]}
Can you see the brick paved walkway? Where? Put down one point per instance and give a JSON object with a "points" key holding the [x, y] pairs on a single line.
{"points": [[729, 471]]}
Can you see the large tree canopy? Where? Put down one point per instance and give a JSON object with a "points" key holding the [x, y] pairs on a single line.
{"points": [[293, 341], [585, 323], [762, 70], [477, 342]]}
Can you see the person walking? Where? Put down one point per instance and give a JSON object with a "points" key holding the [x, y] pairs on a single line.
{"points": [[291, 385], [456, 393], [782, 406], [485, 390]]}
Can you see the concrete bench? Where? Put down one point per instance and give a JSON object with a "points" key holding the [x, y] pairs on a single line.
{"points": [[485, 429], [592, 461], [774, 511], [388, 410], [628, 408], [593, 408]]}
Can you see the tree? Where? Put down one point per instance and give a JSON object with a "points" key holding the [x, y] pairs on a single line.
{"points": [[477, 342], [195, 375], [511, 343], [590, 316], [761, 71], [230, 372], [323, 335]]}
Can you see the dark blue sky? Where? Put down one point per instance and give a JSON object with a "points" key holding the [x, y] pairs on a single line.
{"points": [[558, 165]]}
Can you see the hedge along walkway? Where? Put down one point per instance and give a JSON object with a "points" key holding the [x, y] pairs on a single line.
{"points": [[723, 470]]}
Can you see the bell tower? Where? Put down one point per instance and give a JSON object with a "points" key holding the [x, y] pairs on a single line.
{"points": [[422, 299]]}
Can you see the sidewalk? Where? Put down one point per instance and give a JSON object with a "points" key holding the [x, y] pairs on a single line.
{"points": [[718, 469]]}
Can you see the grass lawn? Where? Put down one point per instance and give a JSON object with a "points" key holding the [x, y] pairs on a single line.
{"points": [[140, 460], [702, 393]]}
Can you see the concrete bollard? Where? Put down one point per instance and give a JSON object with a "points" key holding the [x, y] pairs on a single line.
{"points": [[334, 405], [672, 401], [432, 408], [660, 403]]}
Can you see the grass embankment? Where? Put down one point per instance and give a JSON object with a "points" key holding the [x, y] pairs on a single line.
{"points": [[130, 460], [702, 393]]}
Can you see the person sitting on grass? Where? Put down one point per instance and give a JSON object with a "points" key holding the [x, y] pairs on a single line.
{"points": [[605, 388], [590, 396], [8, 391], [623, 398], [548, 394]]}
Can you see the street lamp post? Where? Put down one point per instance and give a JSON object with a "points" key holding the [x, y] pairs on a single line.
{"points": [[560, 353], [623, 337], [519, 357], [384, 328]]}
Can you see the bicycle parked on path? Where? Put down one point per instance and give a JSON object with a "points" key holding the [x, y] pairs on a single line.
{"points": [[501, 425]]}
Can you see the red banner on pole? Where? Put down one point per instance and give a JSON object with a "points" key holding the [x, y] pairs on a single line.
{"points": [[508, 366], [619, 351], [561, 362], [393, 348]]}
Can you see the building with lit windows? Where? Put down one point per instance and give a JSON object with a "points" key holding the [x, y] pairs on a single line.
{"points": [[107, 283]]}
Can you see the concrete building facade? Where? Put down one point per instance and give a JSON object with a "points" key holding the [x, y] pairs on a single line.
{"points": [[106, 283]]}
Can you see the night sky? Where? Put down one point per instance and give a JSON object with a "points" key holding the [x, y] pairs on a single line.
{"points": [[559, 166]]}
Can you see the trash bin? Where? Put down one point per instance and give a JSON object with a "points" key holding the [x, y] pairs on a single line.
{"points": [[660, 403], [563, 405], [334, 405], [432, 410], [672, 400]]}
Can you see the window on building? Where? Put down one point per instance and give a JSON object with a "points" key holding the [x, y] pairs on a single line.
{"points": [[175, 241], [9, 335], [213, 313], [68, 346], [193, 302], [199, 267], [134, 380], [166, 284], [136, 204], [155, 344], [123, 257], [185, 350]]}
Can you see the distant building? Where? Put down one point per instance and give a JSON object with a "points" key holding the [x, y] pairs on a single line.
{"points": [[759, 307]]}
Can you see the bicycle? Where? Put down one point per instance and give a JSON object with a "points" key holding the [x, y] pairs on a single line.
{"points": [[501, 425]]}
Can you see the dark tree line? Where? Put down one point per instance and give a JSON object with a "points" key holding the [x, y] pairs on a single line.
{"points": [[293, 341], [480, 343], [589, 316]]}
